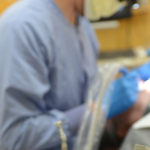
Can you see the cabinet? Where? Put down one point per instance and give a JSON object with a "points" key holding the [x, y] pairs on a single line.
{"points": [[132, 32]]}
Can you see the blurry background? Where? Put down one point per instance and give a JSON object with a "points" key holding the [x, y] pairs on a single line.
{"points": [[132, 32]]}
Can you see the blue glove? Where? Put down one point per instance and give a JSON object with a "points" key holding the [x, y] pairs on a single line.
{"points": [[124, 94], [143, 71], [123, 70]]}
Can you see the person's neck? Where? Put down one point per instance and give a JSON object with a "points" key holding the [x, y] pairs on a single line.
{"points": [[68, 9]]}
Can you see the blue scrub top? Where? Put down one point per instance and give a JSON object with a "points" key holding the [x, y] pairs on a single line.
{"points": [[46, 66]]}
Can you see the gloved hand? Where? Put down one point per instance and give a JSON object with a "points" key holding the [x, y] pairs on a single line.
{"points": [[124, 94], [122, 123], [143, 71]]}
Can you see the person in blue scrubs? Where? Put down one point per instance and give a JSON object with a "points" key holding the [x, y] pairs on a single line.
{"points": [[48, 55]]}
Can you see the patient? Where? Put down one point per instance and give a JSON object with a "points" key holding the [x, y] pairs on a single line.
{"points": [[134, 100]]}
